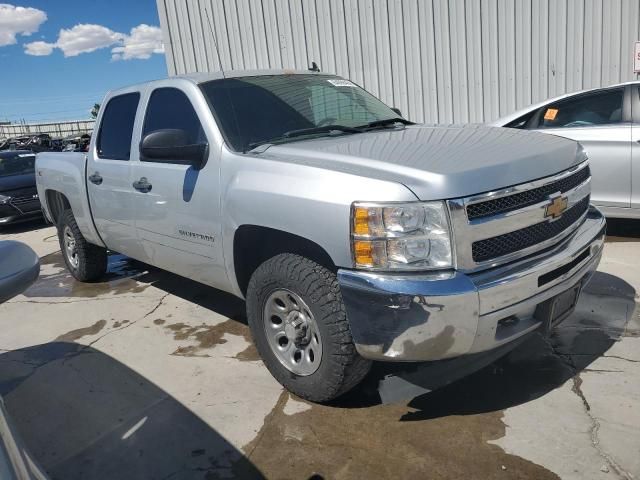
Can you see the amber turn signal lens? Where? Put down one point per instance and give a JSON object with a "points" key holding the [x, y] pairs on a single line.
{"points": [[361, 221], [363, 252]]}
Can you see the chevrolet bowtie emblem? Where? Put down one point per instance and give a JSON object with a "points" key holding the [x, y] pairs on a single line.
{"points": [[557, 207]]}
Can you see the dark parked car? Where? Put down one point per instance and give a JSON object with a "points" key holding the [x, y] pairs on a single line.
{"points": [[18, 195]]}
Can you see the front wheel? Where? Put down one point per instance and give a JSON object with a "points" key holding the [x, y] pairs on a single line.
{"points": [[85, 261], [300, 328]]}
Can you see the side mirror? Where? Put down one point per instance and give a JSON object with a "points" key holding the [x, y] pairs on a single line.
{"points": [[397, 110], [172, 146], [19, 268]]}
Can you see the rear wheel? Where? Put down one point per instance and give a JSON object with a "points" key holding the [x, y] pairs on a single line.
{"points": [[85, 261], [300, 328]]}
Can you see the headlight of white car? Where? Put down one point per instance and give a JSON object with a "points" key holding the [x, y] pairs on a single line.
{"points": [[4, 199], [406, 236]]}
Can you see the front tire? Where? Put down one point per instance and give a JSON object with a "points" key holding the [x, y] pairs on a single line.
{"points": [[299, 325], [85, 261]]}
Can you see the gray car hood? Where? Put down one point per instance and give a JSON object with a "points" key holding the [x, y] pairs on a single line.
{"points": [[437, 162]]}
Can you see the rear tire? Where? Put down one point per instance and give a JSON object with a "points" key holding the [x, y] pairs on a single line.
{"points": [[285, 292], [85, 261]]}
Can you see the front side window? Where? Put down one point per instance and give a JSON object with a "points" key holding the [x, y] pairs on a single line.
{"points": [[17, 164], [602, 108], [169, 108], [116, 127], [252, 110]]}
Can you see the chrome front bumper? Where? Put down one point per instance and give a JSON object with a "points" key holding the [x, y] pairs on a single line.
{"points": [[425, 317]]}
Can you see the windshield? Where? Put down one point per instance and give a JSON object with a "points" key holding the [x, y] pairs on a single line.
{"points": [[17, 164], [254, 110]]}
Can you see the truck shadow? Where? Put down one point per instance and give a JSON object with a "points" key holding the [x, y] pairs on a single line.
{"points": [[84, 415]]}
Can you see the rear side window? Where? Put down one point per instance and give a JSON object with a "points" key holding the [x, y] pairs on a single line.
{"points": [[169, 108], [116, 127]]}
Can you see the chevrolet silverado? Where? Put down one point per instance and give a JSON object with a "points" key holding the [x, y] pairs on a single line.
{"points": [[354, 234]]}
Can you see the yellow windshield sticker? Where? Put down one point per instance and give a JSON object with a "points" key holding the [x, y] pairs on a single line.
{"points": [[550, 114]]}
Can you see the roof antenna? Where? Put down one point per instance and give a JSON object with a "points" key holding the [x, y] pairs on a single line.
{"points": [[215, 39], [314, 67]]}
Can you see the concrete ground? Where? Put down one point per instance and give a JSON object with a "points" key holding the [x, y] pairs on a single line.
{"points": [[150, 376]]}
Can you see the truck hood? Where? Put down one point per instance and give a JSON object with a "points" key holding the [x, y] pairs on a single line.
{"points": [[438, 162]]}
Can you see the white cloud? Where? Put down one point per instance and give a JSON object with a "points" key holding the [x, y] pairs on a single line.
{"points": [[39, 48], [143, 41], [85, 38], [18, 20]]}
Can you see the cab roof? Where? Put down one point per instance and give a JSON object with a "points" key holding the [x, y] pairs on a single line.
{"points": [[208, 76]]}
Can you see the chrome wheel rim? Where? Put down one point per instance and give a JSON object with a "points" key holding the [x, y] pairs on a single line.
{"points": [[292, 332], [70, 247]]}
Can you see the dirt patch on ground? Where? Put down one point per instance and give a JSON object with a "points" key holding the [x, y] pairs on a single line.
{"points": [[377, 442], [208, 336], [78, 333], [249, 354]]}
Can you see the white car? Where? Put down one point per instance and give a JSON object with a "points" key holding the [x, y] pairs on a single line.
{"points": [[606, 121]]}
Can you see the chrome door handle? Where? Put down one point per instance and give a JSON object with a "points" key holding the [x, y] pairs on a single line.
{"points": [[96, 179], [142, 185]]}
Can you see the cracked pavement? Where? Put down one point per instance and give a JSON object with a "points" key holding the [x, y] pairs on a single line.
{"points": [[148, 375]]}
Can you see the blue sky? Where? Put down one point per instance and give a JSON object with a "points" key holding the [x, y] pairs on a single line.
{"points": [[51, 86]]}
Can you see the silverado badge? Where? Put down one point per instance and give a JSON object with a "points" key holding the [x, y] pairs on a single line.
{"points": [[557, 207]]}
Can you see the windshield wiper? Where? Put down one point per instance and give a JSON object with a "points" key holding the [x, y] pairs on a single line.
{"points": [[386, 122], [303, 132], [323, 129]]}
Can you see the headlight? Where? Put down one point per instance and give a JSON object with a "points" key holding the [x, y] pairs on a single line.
{"points": [[4, 199], [408, 236]]}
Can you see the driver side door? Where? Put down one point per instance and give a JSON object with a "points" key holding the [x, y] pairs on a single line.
{"points": [[601, 122]]}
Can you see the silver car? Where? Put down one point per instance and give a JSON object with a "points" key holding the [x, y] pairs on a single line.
{"points": [[19, 268], [606, 121]]}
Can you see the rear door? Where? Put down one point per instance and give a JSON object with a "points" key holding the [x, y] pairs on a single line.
{"points": [[601, 122], [109, 175], [178, 213]]}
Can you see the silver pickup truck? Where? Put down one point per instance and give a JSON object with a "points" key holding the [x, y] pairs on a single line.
{"points": [[353, 234]]}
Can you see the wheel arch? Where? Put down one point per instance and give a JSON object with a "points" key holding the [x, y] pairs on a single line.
{"points": [[254, 244], [57, 203]]}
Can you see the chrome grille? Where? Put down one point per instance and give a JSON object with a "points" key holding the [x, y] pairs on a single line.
{"points": [[526, 237], [526, 198], [514, 222]]}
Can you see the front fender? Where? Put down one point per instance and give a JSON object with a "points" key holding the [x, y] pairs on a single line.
{"points": [[310, 202]]}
